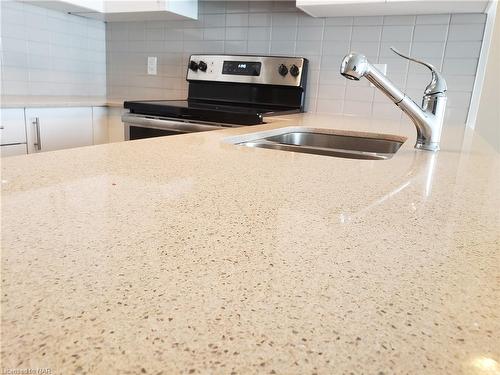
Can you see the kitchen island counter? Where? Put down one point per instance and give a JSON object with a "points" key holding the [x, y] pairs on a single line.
{"points": [[188, 254]]}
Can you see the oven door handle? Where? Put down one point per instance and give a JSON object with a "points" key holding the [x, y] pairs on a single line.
{"points": [[180, 126]]}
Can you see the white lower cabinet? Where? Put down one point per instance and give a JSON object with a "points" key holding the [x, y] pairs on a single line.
{"points": [[29, 130], [13, 150], [12, 132], [51, 129]]}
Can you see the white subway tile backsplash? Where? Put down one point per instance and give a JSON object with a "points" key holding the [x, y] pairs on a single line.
{"points": [[331, 92], [357, 108], [460, 66], [17, 59], [399, 20], [214, 20], [173, 46], [329, 106], [339, 21], [193, 46], [427, 49], [260, 47], [52, 53], [331, 77], [468, 18], [386, 110], [278, 28], [454, 115], [212, 7], [259, 19], [15, 74], [359, 93], [284, 6], [460, 82], [283, 33], [369, 49], [338, 33], [173, 34], [237, 20], [237, 7], [260, 6], [470, 32], [237, 33], [433, 19], [397, 33], [193, 34], [215, 33], [235, 47], [307, 48], [369, 20], [395, 64], [306, 20], [334, 47], [463, 49], [458, 99], [259, 33], [282, 47], [285, 19], [430, 33], [310, 33], [154, 34], [366, 33]]}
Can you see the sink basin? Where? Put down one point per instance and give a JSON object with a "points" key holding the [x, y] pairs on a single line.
{"points": [[369, 147]]}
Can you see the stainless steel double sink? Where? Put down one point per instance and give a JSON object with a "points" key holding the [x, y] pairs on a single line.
{"points": [[353, 145]]}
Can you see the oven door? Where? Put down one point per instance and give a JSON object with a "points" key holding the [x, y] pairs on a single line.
{"points": [[142, 126]]}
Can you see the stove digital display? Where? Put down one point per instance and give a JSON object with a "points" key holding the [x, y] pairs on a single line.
{"points": [[241, 68]]}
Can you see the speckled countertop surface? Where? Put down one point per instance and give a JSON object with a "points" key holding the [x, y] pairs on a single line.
{"points": [[189, 255]]}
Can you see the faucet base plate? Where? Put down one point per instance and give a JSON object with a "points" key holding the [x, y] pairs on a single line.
{"points": [[427, 146]]}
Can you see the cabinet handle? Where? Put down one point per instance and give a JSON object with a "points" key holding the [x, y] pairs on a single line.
{"points": [[2, 128], [38, 143]]}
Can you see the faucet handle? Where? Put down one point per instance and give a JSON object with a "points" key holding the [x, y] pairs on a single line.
{"points": [[437, 84]]}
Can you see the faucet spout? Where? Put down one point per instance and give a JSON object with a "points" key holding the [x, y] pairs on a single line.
{"points": [[428, 119]]}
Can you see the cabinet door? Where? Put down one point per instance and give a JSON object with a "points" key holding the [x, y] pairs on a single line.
{"points": [[13, 150], [12, 127], [58, 128]]}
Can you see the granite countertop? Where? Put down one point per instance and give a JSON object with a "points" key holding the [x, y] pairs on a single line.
{"points": [[57, 101], [186, 254]]}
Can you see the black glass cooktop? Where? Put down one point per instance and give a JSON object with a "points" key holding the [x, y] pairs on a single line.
{"points": [[231, 113]]}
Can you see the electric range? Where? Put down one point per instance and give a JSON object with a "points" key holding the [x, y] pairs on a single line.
{"points": [[223, 91]]}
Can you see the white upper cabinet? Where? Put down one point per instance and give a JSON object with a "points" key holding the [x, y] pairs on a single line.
{"points": [[337, 8], [126, 10]]}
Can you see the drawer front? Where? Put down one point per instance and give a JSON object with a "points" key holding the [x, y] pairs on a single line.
{"points": [[12, 126], [13, 150]]}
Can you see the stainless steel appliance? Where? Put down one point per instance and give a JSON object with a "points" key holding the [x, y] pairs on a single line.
{"points": [[223, 91]]}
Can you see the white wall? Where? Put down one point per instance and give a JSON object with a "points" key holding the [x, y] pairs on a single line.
{"points": [[450, 42], [488, 116], [45, 52]]}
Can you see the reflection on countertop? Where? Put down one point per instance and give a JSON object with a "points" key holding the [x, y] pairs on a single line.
{"points": [[187, 254]]}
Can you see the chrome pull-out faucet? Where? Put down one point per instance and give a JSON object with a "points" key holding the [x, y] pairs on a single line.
{"points": [[428, 119]]}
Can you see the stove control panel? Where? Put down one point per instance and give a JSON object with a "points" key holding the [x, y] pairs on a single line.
{"points": [[267, 70]]}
